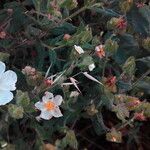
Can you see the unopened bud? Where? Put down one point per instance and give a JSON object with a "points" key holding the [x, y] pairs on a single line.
{"points": [[66, 37]]}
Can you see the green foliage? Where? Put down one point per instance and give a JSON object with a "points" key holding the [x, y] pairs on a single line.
{"points": [[37, 42]]}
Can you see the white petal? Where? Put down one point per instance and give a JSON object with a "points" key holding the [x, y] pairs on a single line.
{"points": [[56, 112], [5, 97], [74, 94], [8, 81], [91, 67], [58, 100], [2, 68], [97, 48], [48, 96], [91, 77], [79, 49], [46, 115], [39, 105]]}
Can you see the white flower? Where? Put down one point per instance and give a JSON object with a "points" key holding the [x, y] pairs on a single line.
{"points": [[91, 67], [8, 81], [79, 49], [49, 106]]}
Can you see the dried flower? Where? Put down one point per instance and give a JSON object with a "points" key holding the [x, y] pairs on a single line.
{"points": [[2, 35], [139, 116], [121, 24], [110, 83], [100, 51], [49, 16], [132, 102], [140, 4], [114, 136], [15, 111], [48, 82], [28, 70]]}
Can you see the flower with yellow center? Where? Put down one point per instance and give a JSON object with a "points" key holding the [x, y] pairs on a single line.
{"points": [[49, 106]]}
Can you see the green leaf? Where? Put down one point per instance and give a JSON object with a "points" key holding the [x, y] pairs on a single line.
{"points": [[140, 20], [128, 46], [41, 56], [88, 60], [52, 56], [145, 60], [64, 28], [129, 66]]}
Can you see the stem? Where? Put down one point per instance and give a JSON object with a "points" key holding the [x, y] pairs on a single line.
{"points": [[103, 72], [75, 13], [142, 77], [126, 123]]}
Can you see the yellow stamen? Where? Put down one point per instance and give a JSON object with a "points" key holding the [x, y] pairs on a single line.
{"points": [[49, 105]]}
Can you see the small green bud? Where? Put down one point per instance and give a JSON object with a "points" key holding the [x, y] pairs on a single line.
{"points": [[22, 98], [91, 110], [129, 66], [119, 25], [4, 56], [112, 23], [146, 43], [125, 6], [147, 111], [15, 111], [71, 139], [114, 136], [70, 4]]}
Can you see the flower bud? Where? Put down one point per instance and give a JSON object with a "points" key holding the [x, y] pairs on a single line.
{"points": [[71, 139], [15, 111], [2, 35], [139, 116], [48, 82], [28, 70], [69, 4], [146, 43], [114, 136], [91, 110], [132, 102], [4, 56], [22, 98], [110, 83], [119, 25], [125, 6], [66, 37]]}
